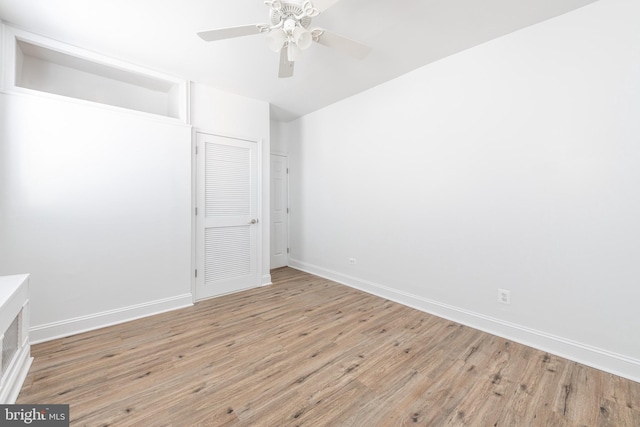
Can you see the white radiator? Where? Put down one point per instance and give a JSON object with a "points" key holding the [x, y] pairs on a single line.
{"points": [[14, 336]]}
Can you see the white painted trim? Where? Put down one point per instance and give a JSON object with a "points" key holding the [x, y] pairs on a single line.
{"points": [[22, 92], [211, 132], [266, 280], [19, 369], [3, 59], [65, 328], [261, 211], [185, 108], [289, 212], [194, 205], [598, 358]]}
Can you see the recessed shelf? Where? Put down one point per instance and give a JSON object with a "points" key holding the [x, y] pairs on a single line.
{"points": [[51, 67]]}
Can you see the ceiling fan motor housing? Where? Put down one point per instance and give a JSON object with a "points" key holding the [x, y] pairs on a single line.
{"points": [[290, 11]]}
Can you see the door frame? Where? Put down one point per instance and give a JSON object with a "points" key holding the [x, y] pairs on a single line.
{"points": [[194, 204]]}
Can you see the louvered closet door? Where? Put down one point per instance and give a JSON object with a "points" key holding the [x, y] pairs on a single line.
{"points": [[227, 221]]}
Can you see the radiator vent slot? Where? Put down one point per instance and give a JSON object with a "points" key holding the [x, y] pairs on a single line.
{"points": [[10, 343]]}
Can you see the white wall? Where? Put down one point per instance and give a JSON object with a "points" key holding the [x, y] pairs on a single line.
{"points": [[223, 113], [96, 205], [228, 113], [511, 165], [280, 137]]}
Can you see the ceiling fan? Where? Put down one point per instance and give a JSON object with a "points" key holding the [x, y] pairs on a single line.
{"points": [[289, 32]]}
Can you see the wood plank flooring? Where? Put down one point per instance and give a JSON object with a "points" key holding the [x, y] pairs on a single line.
{"points": [[309, 352]]}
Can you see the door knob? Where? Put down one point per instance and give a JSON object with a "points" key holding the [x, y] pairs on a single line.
{"points": [[253, 221]]}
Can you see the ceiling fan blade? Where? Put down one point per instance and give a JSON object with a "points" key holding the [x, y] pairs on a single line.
{"points": [[343, 44], [228, 33], [323, 5], [286, 66]]}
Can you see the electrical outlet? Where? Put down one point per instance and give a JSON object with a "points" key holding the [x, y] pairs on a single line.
{"points": [[504, 296], [352, 261]]}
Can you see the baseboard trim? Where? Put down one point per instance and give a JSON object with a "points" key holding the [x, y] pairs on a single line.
{"points": [[68, 327], [617, 364]]}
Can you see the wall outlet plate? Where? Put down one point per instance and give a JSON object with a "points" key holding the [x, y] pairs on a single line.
{"points": [[504, 296]]}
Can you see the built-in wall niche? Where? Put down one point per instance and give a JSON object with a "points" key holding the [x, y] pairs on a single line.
{"points": [[44, 68]]}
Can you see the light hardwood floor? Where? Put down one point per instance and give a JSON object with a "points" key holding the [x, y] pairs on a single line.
{"points": [[307, 351]]}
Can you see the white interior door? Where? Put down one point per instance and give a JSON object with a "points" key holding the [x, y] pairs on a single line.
{"points": [[279, 211], [227, 220]]}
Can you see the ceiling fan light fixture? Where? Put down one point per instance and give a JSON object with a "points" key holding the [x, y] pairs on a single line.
{"points": [[288, 32], [302, 37], [276, 40]]}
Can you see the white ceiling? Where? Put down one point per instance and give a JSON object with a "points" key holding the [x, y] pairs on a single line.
{"points": [[161, 34]]}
